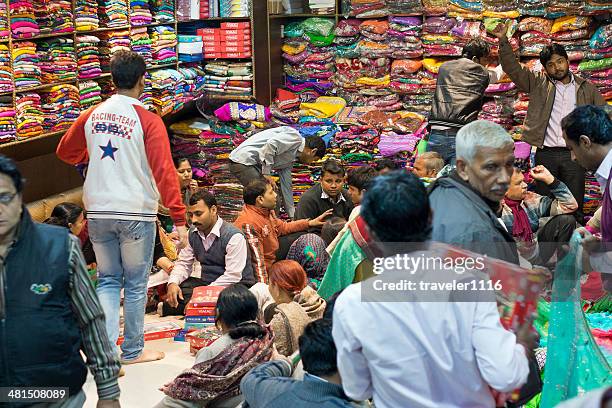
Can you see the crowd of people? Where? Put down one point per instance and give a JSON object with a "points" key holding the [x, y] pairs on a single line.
{"points": [[294, 287]]}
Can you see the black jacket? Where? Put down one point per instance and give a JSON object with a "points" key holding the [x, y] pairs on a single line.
{"points": [[311, 205], [459, 93]]}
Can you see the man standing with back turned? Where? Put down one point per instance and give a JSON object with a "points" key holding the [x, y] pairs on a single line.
{"points": [[130, 165]]}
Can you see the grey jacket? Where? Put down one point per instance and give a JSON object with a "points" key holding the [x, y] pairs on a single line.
{"points": [[462, 218], [459, 93]]}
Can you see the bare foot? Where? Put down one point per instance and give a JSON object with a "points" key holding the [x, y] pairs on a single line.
{"points": [[145, 357], [121, 372]]}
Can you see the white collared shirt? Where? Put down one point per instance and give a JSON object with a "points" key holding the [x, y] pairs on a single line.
{"points": [[235, 258], [564, 104], [326, 196], [603, 172]]}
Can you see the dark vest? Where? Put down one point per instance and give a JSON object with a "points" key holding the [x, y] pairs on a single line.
{"points": [[606, 229], [213, 260], [40, 337]]}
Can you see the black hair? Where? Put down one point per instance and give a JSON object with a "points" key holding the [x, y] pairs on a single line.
{"points": [[127, 67], [253, 190], [591, 121], [317, 348], [548, 51], [9, 168], [331, 228], [203, 195], [330, 303], [476, 48], [237, 308], [361, 177], [316, 142], [396, 208], [381, 164], [333, 166], [64, 214], [178, 160]]}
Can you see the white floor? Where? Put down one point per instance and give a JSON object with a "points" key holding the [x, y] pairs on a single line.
{"points": [[141, 383]]}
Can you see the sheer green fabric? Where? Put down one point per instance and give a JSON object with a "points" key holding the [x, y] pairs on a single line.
{"points": [[574, 362]]}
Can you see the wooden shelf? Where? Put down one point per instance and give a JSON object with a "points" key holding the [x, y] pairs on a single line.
{"points": [[4, 41], [226, 97], [32, 139], [219, 19], [2, 93], [103, 29], [301, 15], [44, 86], [154, 24], [41, 36], [168, 65]]}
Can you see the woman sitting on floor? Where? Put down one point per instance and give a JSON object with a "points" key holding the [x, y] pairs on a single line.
{"points": [[72, 217], [296, 304], [214, 380], [310, 252]]}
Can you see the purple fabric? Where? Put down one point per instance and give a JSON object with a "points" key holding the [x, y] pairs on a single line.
{"points": [[606, 229]]}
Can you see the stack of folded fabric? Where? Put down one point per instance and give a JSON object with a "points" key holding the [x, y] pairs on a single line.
{"points": [[164, 91], [190, 48], [500, 8], [573, 33], [57, 60], [567, 7], [23, 19], [6, 73], [234, 8], [286, 107], [111, 42], [536, 35], [600, 46], [141, 43], [592, 194], [235, 78], [90, 94], [368, 8], [113, 13], [532, 7], [404, 37], [313, 68], [229, 197], [8, 128], [593, 7], [404, 6], [86, 15], [466, 9], [29, 115], [303, 177], [193, 83], [322, 6], [499, 110], [5, 31], [88, 57], [60, 107], [140, 14], [147, 94], [108, 88], [405, 78], [54, 16], [26, 70], [520, 113], [164, 45], [163, 10], [435, 7], [357, 145]]}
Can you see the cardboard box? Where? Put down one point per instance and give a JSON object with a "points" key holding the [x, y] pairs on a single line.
{"points": [[241, 33], [236, 25], [233, 50], [237, 55], [157, 330], [245, 38]]}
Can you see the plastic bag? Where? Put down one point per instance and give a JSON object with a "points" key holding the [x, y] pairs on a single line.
{"points": [[467, 29], [570, 23], [348, 28], [404, 67], [571, 35], [293, 30], [438, 25], [602, 37], [432, 64], [604, 63], [319, 27]]}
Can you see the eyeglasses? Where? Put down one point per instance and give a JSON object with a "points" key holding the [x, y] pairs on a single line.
{"points": [[6, 198]]}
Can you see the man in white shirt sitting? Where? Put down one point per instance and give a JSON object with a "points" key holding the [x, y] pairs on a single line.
{"points": [[220, 248], [420, 349]]}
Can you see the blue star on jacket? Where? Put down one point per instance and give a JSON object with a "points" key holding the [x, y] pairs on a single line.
{"points": [[109, 151]]}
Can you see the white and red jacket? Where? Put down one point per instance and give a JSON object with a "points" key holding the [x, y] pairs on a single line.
{"points": [[130, 163]]}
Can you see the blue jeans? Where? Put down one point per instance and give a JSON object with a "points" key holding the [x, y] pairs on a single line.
{"points": [[124, 253], [443, 142]]}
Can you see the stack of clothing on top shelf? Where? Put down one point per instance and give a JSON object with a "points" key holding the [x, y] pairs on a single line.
{"points": [[5, 32], [535, 8], [163, 10], [234, 8], [7, 120], [23, 19], [141, 43], [404, 37], [500, 8], [164, 45], [374, 62], [60, 107], [465, 9], [140, 14], [309, 58], [536, 35], [86, 15], [89, 94], [235, 78], [6, 73], [88, 57], [113, 13], [110, 42], [404, 6], [190, 48], [368, 8], [54, 16], [57, 60], [25, 65], [564, 7], [29, 115], [600, 46]]}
